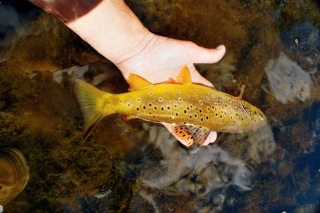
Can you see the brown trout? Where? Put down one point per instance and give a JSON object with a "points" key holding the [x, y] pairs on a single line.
{"points": [[192, 110]]}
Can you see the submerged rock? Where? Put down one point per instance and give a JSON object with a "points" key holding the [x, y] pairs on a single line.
{"points": [[288, 81]]}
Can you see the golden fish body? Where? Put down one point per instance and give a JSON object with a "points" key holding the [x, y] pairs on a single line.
{"points": [[193, 104], [193, 110]]}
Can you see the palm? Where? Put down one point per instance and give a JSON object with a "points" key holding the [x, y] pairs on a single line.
{"points": [[163, 57]]}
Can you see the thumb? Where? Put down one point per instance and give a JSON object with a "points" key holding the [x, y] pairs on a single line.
{"points": [[205, 55]]}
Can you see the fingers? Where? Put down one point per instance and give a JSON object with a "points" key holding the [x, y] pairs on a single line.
{"points": [[204, 55], [212, 137]]}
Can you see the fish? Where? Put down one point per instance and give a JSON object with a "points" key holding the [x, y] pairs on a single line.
{"points": [[192, 110]]}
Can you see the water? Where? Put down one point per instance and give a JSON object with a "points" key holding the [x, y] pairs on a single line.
{"points": [[135, 166]]}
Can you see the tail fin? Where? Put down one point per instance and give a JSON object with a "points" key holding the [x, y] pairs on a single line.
{"points": [[91, 101]]}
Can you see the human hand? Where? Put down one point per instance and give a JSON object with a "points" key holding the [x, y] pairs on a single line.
{"points": [[162, 58]]}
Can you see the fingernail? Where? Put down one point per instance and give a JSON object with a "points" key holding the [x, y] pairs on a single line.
{"points": [[220, 47]]}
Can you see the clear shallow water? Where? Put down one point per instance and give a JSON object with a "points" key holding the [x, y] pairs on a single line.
{"points": [[135, 166]]}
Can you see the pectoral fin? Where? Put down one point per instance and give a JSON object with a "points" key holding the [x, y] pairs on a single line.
{"points": [[190, 135]]}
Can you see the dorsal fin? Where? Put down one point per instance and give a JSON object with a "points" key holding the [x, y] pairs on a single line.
{"points": [[137, 83], [172, 81], [184, 76]]}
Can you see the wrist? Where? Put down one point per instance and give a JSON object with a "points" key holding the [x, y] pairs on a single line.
{"points": [[113, 30]]}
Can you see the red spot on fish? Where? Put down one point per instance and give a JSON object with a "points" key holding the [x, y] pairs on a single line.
{"points": [[200, 102], [150, 93], [175, 105], [129, 104], [138, 99], [160, 99], [167, 91], [178, 91], [180, 99]]}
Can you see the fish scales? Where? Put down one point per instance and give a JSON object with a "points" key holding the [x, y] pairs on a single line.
{"points": [[180, 104], [190, 110]]}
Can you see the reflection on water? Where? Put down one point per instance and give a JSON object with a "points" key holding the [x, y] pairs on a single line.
{"points": [[136, 166]]}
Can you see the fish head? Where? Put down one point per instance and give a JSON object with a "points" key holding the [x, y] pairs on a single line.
{"points": [[256, 116]]}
